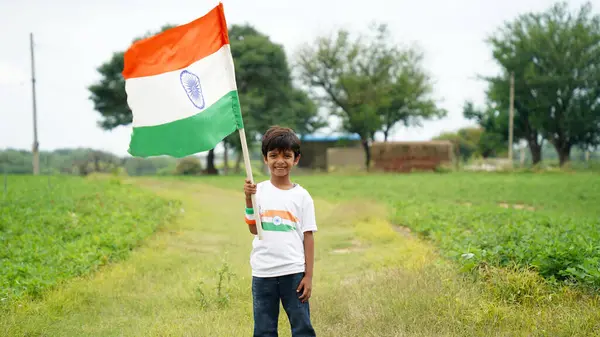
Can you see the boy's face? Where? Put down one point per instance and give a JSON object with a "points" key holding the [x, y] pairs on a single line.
{"points": [[281, 162]]}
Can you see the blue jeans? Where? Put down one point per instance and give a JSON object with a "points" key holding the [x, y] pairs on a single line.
{"points": [[266, 294]]}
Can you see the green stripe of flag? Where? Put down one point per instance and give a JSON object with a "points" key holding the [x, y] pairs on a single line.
{"points": [[269, 226], [191, 135]]}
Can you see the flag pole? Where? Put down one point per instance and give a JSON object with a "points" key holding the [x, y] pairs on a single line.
{"points": [[259, 229]]}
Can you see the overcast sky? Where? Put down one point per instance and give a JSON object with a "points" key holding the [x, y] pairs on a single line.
{"points": [[73, 37]]}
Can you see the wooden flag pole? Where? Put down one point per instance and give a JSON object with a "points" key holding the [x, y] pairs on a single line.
{"points": [[246, 155]]}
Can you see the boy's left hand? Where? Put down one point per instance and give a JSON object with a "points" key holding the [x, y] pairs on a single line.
{"points": [[305, 287]]}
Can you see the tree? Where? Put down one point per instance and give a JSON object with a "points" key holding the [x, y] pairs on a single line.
{"points": [[494, 118], [369, 83], [188, 166], [264, 83], [493, 139], [464, 148], [555, 56], [470, 142], [409, 92]]}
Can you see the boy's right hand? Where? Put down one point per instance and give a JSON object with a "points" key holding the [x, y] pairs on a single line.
{"points": [[249, 189]]}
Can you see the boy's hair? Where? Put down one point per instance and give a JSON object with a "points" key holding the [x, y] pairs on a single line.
{"points": [[280, 138]]}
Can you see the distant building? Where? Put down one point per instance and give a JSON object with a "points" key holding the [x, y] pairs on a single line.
{"points": [[314, 149], [412, 155]]}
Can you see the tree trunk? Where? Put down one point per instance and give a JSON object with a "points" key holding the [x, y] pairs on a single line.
{"points": [[564, 156], [385, 135], [536, 153], [210, 163], [225, 158], [238, 163], [365, 144], [536, 150], [564, 153]]}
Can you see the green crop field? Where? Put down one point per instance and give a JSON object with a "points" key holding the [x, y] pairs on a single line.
{"points": [[549, 223], [396, 255], [52, 230]]}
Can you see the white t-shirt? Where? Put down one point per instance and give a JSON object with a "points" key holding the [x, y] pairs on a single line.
{"points": [[285, 216]]}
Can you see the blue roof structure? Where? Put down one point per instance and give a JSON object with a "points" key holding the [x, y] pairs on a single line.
{"points": [[328, 138]]}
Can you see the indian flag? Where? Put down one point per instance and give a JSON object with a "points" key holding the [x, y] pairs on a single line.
{"points": [[181, 89]]}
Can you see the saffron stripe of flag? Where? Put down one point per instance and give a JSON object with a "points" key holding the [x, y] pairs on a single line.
{"points": [[181, 89]]}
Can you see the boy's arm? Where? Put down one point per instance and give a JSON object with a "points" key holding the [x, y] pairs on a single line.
{"points": [[309, 253], [305, 286], [309, 227], [252, 229], [250, 189], [251, 222]]}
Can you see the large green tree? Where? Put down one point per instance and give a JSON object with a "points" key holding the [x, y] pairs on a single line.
{"points": [[555, 58], [369, 82], [494, 117], [267, 95], [409, 94], [264, 84]]}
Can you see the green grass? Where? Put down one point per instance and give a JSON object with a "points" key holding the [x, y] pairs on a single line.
{"points": [[372, 278], [54, 229], [548, 222]]}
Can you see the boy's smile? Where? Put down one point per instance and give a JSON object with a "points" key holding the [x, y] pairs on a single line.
{"points": [[280, 162]]}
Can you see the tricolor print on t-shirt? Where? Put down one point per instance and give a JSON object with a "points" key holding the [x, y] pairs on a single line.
{"points": [[275, 221]]}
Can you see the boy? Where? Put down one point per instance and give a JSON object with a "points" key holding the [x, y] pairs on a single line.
{"points": [[282, 262]]}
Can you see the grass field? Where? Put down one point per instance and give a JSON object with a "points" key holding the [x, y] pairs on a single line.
{"points": [[52, 230], [373, 277], [546, 222]]}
